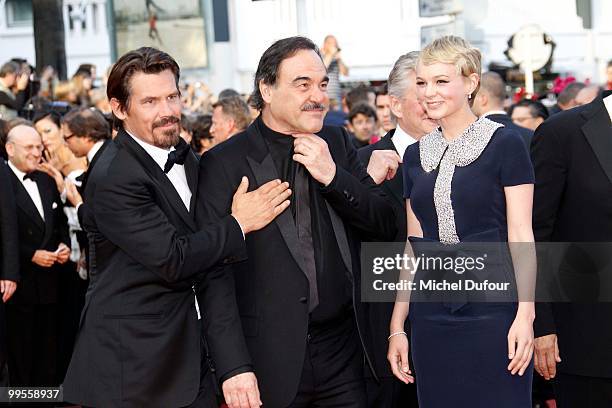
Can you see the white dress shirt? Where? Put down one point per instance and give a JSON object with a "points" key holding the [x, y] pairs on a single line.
{"points": [[176, 175], [608, 104], [94, 149], [31, 187], [401, 140]]}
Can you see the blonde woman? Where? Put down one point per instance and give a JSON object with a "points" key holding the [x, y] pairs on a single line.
{"points": [[468, 178]]}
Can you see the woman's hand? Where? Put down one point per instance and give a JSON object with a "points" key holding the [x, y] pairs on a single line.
{"points": [[398, 358], [520, 344], [54, 173]]}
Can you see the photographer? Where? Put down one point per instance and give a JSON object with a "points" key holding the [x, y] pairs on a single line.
{"points": [[335, 67], [13, 85]]}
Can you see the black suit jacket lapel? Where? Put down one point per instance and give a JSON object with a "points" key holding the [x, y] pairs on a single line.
{"points": [[191, 172], [599, 134], [25, 203], [93, 162], [156, 173], [395, 186], [47, 197], [264, 170]]}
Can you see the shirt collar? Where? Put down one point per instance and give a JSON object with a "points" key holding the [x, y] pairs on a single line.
{"points": [[159, 155], [94, 149], [401, 140], [493, 112], [20, 174]]}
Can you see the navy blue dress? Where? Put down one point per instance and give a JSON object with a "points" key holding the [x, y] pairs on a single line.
{"points": [[461, 355]]}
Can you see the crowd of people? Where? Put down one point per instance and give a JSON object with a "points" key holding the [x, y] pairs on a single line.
{"points": [[140, 265]]}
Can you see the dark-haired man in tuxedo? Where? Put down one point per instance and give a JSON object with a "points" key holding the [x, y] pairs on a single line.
{"points": [[572, 157], [43, 243], [288, 321], [140, 343]]}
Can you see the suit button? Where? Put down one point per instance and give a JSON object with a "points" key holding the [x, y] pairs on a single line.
{"points": [[303, 299]]}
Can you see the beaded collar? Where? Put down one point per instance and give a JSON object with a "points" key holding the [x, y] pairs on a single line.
{"points": [[436, 152]]}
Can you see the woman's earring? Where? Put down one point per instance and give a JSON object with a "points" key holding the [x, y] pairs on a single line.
{"points": [[469, 96]]}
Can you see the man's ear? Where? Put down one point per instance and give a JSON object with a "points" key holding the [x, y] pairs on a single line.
{"points": [[396, 106], [266, 91], [10, 149], [350, 127], [117, 109]]}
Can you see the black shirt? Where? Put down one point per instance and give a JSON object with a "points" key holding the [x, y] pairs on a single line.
{"points": [[333, 285]]}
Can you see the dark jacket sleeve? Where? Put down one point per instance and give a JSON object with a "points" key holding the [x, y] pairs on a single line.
{"points": [[126, 212], [355, 196], [17, 103], [9, 233], [550, 165], [222, 324]]}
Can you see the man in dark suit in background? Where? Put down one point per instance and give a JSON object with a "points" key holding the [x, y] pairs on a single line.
{"points": [[9, 259], [383, 161], [288, 321], [32, 313], [86, 133], [572, 157], [139, 343], [489, 102]]}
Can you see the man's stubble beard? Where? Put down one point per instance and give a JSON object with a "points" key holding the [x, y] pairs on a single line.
{"points": [[168, 138]]}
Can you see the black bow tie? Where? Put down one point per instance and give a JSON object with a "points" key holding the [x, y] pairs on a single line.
{"points": [[177, 156], [29, 176]]}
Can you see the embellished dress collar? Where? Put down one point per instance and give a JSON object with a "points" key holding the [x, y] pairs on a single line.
{"points": [[436, 152]]}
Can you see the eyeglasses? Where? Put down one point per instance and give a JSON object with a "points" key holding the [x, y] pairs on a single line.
{"points": [[30, 148]]}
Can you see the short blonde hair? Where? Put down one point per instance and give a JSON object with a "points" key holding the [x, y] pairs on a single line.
{"points": [[454, 50]]}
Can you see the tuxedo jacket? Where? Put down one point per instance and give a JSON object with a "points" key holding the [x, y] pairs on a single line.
{"points": [[257, 311], [9, 234], [38, 285], [378, 315], [139, 335], [9, 253], [572, 157], [506, 120]]}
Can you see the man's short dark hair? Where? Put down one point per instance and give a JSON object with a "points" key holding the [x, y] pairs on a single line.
{"points": [[357, 95], [87, 122], [237, 109], [362, 108], [10, 67], [569, 92], [145, 59], [228, 93], [536, 108], [200, 129], [384, 90], [269, 64]]}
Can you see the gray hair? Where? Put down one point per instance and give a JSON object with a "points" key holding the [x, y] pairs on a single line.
{"points": [[398, 82]]}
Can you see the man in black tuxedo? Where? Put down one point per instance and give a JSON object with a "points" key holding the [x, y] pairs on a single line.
{"points": [[87, 134], [288, 321], [572, 156], [489, 102], [139, 342], [383, 161], [32, 314], [9, 258]]}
